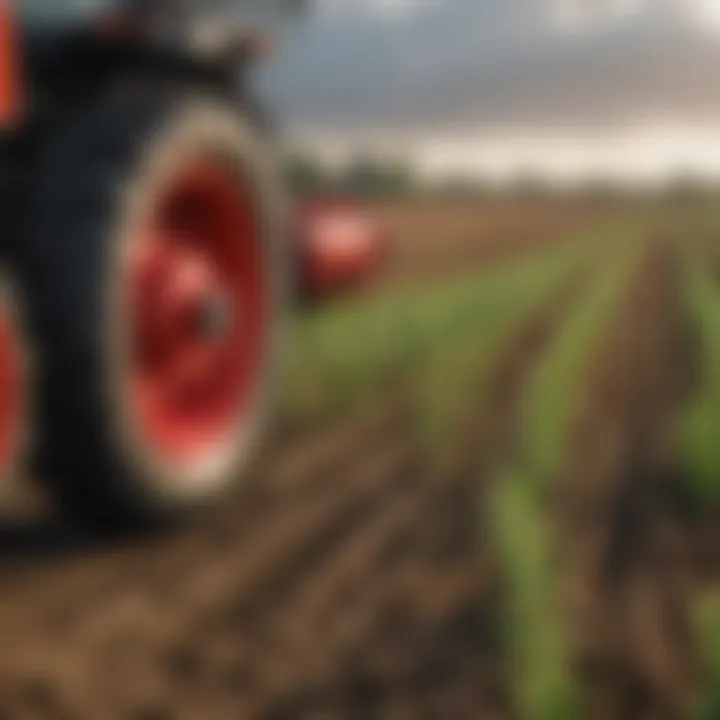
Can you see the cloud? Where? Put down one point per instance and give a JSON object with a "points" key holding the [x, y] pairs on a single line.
{"points": [[413, 64], [579, 15], [348, 10]]}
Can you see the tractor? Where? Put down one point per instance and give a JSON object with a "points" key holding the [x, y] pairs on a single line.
{"points": [[144, 252]]}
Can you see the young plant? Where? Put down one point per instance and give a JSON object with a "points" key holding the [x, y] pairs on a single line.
{"points": [[699, 428], [706, 632], [535, 620]]}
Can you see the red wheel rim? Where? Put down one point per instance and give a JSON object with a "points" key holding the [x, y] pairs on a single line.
{"points": [[12, 392], [198, 316]]}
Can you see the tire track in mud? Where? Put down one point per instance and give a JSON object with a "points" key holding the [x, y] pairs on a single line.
{"points": [[345, 580], [155, 614], [618, 510], [298, 476], [167, 568]]}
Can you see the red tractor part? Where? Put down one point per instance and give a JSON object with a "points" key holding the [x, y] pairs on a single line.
{"points": [[200, 309], [13, 387], [11, 94], [341, 247]]}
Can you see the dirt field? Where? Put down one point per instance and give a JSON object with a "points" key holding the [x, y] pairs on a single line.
{"points": [[354, 578], [439, 239], [619, 515], [320, 591]]}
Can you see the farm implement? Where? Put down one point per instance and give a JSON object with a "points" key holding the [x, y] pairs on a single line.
{"points": [[146, 251]]}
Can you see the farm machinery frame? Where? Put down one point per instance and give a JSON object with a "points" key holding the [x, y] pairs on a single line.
{"points": [[144, 250]]}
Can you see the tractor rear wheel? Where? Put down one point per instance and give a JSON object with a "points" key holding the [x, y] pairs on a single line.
{"points": [[155, 287]]}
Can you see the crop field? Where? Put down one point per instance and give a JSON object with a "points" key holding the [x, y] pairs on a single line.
{"points": [[438, 239], [492, 491]]}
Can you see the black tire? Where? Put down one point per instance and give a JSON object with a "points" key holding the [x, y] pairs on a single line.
{"points": [[95, 183]]}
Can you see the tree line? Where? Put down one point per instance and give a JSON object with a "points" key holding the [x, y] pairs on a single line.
{"points": [[372, 177]]}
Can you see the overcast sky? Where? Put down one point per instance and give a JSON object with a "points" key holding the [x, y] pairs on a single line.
{"points": [[557, 85]]}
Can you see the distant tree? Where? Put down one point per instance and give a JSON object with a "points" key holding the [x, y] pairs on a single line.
{"points": [[686, 188], [462, 186], [306, 176], [529, 185], [369, 176], [602, 190], [362, 176]]}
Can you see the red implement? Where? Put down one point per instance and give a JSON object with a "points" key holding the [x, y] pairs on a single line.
{"points": [[11, 92], [341, 247]]}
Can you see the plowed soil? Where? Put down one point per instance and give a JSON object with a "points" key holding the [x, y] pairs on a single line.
{"points": [[624, 542], [345, 581], [351, 578], [436, 240]]}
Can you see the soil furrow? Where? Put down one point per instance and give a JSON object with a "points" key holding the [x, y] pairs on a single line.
{"points": [[109, 571], [236, 567], [429, 580], [347, 570], [619, 528]]}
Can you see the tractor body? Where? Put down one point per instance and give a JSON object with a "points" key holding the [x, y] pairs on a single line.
{"points": [[145, 252], [144, 236], [57, 62]]}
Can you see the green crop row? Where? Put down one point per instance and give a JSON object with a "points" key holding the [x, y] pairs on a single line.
{"points": [[552, 399], [700, 457], [453, 374], [706, 634], [699, 428], [431, 337], [535, 624]]}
